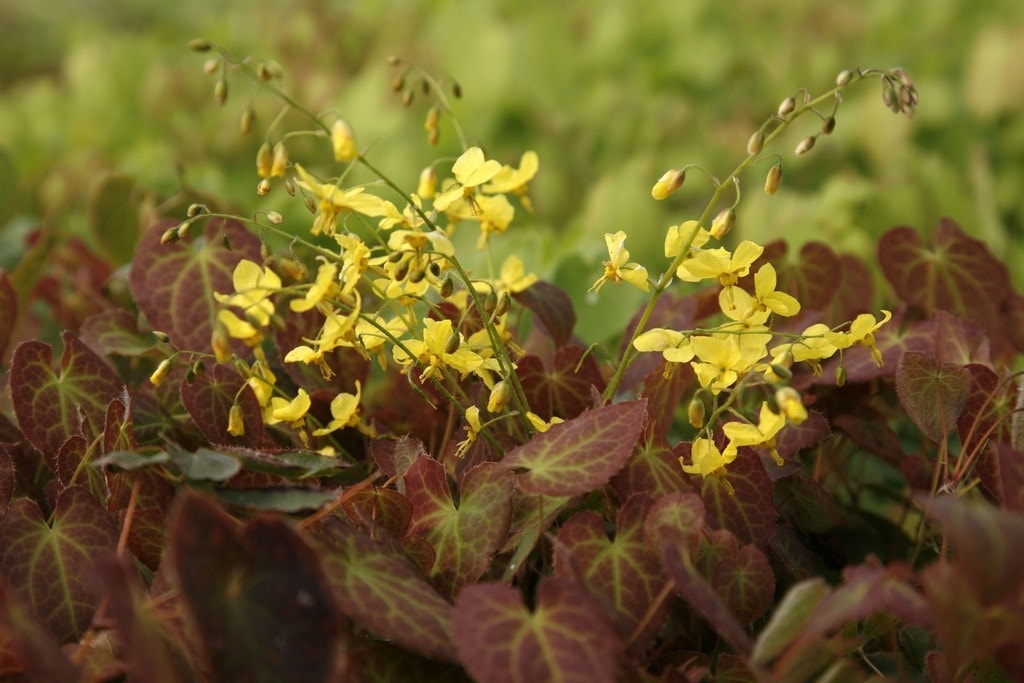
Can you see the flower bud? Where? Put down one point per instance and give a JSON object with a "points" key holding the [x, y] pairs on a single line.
{"points": [[456, 90], [453, 342], [840, 375], [263, 187], [161, 372], [265, 161], [723, 223], [343, 140], [199, 45], [245, 123], [781, 371], [806, 145], [490, 302], [773, 180], [211, 65], [427, 187], [274, 217], [828, 125], [433, 137], [844, 77], [162, 337], [787, 107], [398, 83], [236, 423], [501, 394], [194, 210], [447, 287], [433, 116], [756, 143], [503, 303], [221, 343], [220, 92], [170, 235], [280, 163], [669, 182], [696, 411]]}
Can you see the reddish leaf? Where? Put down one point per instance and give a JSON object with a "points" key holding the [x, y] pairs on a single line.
{"points": [[1009, 477], [153, 496], [72, 468], [746, 582], [553, 309], [26, 648], [750, 511], [566, 638], [565, 389], [49, 567], [116, 331], [806, 503], [256, 593], [665, 394], [696, 590], [624, 571], [933, 394], [467, 535], [672, 312], [117, 425], [47, 404], [813, 279], [795, 438], [8, 313], [653, 469], [957, 274], [6, 479], [208, 399], [174, 283], [384, 592], [870, 429], [147, 646], [987, 410], [680, 515], [581, 454], [384, 508], [854, 294]]}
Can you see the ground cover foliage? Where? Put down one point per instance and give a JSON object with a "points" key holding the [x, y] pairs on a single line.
{"points": [[361, 438]]}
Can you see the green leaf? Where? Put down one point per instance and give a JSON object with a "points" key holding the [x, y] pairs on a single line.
{"points": [[286, 500], [466, 535], [581, 454], [384, 592], [291, 464], [116, 331], [113, 212], [624, 572], [47, 404], [932, 393], [567, 637], [206, 464], [130, 460], [256, 594], [49, 566], [174, 283], [787, 620]]}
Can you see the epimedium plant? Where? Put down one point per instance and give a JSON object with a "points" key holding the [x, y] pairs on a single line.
{"points": [[358, 456]]}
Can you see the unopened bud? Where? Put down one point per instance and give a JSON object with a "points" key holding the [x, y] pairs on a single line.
{"points": [[840, 375], [451, 345], [398, 83], [805, 145], [447, 287], [221, 343], [669, 182], [787, 107], [781, 371], [417, 275], [844, 77], [245, 123], [773, 180], [723, 223], [433, 137], [265, 161], [263, 187], [407, 97], [490, 302], [696, 411], [211, 65], [194, 210], [198, 368], [427, 187], [162, 337], [501, 394], [236, 422], [199, 45], [756, 143], [183, 229], [503, 303], [433, 116], [456, 90], [170, 236], [828, 125], [280, 163], [220, 92], [344, 141], [274, 217], [161, 372]]}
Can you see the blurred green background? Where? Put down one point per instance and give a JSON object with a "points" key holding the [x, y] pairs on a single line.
{"points": [[609, 93]]}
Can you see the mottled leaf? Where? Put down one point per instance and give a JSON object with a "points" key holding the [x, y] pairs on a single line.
{"points": [[932, 393], [986, 412], [805, 502], [677, 515], [565, 388], [624, 571], [581, 454], [208, 399], [116, 331], [956, 273], [174, 283], [384, 592], [749, 512], [48, 567], [746, 583], [813, 279], [465, 535], [385, 508], [73, 468], [553, 310], [152, 494], [567, 637], [256, 594], [652, 469], [49, 404]]}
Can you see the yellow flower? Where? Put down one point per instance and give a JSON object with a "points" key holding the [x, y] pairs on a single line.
{"points": [[433, 351], [336, 331], [708, 461], [333, 201], [862, 331], [788, 399], [283, 410], [755, 310], [513, 276], [724, 358], [253, 287], [762, 435], [236, 421], [516, 180], [345, 413], [321, 289], [471, 170], [676, 236], [812, 347], [720, 264], [494, 214], [539, 424], [668, 183], [355, 259], [238, 328], [161, 372], [343, 140], [473, 428], [674, 346], [616, 269]]}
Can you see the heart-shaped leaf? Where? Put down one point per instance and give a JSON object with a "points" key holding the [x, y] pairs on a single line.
{"points": [[563, 389], [256, 594], [115, 331], [932, 393], [48, 567], [652, 469], [553, 309], [466, 535], [567, 637], [581, 454], [47, 403], [174, 283], [208, 398], [746, 582]]}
